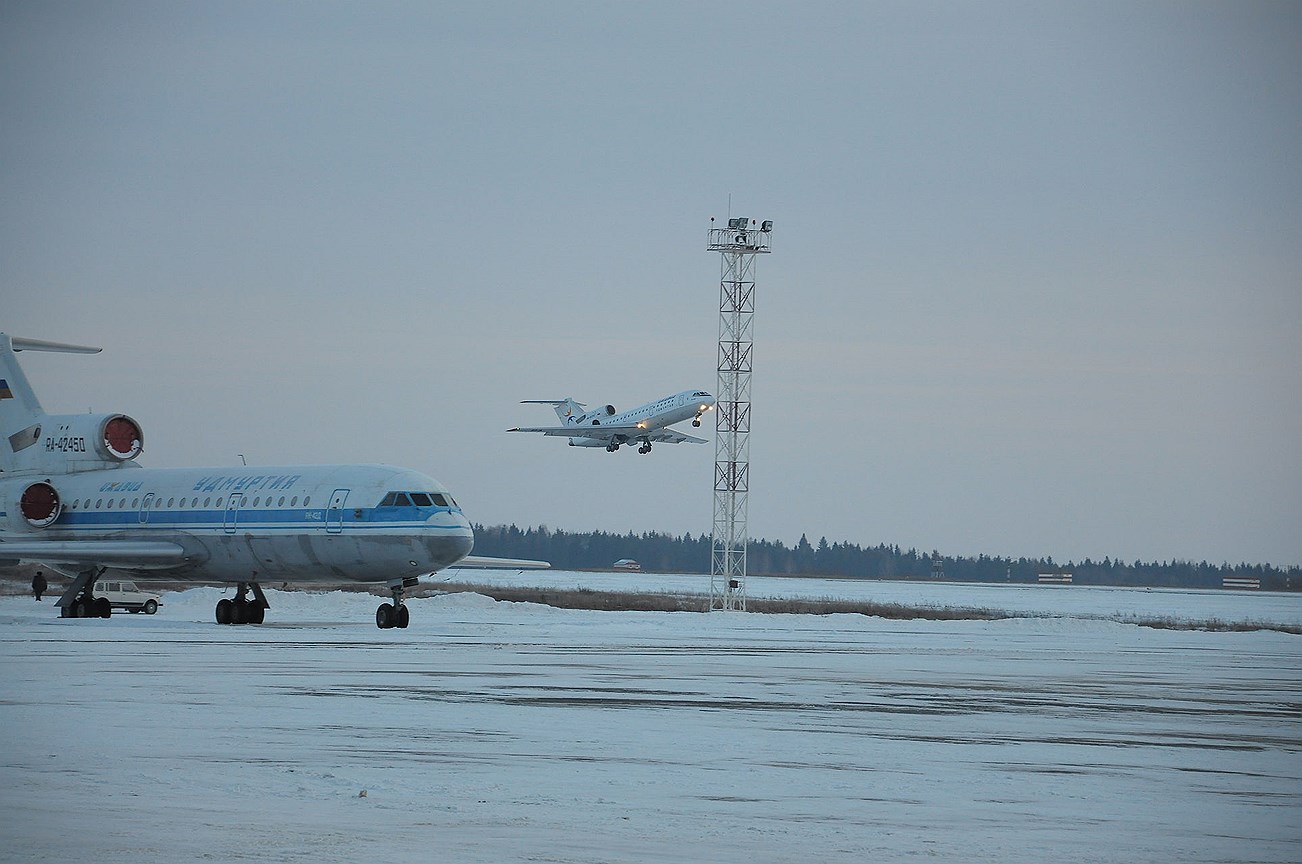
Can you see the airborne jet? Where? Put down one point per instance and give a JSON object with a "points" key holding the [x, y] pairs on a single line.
{"points": [[603, 427]]}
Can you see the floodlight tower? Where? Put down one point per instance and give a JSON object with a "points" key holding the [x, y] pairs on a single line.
{"points": [[737, 245]]}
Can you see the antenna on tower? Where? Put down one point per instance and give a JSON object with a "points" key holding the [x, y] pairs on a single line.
{"points": [[737, 244]]}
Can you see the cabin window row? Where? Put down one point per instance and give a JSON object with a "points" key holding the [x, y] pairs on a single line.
{"points": [[183, 503]]}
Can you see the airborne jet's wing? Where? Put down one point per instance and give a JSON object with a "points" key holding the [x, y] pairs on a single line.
{"points": [[671, 436], [566, 431], [600, 433], [605, 433], [129, 554]]}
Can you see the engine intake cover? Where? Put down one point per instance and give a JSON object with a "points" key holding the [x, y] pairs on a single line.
{"points": [[121, 438], [40, 505]]}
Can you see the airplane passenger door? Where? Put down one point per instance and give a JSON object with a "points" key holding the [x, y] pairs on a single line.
{"points": [[232, 516], [145, 504], [335, 515]]}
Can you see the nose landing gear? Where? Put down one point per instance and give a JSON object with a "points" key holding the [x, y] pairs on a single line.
{"points": [[395, 614]]}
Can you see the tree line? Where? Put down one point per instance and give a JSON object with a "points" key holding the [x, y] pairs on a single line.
{"points": [[666, 553]]}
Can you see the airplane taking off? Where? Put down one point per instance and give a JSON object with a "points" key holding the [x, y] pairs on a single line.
{"points": [[602, 427], [72, 497]]}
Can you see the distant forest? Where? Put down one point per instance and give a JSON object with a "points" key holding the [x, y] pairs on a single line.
{"points": [[665, 553]]}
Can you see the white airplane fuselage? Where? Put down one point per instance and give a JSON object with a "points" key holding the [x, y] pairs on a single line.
{"points": [[654, 415], [288, 523], [604, 427]]}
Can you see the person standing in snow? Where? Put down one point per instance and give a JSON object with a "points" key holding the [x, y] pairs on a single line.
{"points": [[39, 585]]}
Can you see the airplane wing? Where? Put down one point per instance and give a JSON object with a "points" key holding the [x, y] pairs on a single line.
{"points": [[670, 436], [128, 554], [605, 433], [501, 563], [566, 431]]}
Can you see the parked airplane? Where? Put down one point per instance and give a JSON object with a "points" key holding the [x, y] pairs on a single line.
{"points": [[73, 497], [602, 427]]}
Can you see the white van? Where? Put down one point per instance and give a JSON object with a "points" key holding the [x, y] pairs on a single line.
{"points": [[125, 595]]}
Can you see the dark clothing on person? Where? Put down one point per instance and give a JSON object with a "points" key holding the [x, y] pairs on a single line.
{"points": [[39, 585]]}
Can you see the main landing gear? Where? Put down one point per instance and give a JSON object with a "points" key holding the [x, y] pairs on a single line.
{"points": [[243, 609], [79, 601], [646, 446], [395, 614]]}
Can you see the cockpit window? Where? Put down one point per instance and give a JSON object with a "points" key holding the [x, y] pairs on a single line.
{"points": [[440, 500], [401, 500], [420, 499], [389, 500]]}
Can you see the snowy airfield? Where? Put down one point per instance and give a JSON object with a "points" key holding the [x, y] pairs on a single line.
{"points": [[499, 732]]}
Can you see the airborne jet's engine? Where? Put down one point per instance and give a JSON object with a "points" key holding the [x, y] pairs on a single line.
{"points": [[596, 415]]}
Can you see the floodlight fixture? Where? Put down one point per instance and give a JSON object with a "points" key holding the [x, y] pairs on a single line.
{"points": [[766, 226]]}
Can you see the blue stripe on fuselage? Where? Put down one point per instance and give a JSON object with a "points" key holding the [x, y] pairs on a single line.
{"points": [[261, 519]]}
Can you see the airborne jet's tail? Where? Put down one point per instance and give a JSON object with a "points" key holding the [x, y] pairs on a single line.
{"points": [[567, 409]]}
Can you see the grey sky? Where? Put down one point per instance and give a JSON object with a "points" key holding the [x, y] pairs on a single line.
{"points": [[1036, 285]]}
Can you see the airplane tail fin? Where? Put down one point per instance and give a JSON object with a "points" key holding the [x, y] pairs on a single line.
{"points": [[567, 410], [20, 410]]}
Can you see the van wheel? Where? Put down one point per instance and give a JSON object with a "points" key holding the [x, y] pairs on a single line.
{"points": [[151, 606]]}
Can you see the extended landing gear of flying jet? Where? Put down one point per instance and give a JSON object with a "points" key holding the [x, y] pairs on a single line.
{"points": [[242, 609], [645, 448], [79, 601], [696, 421], [395, 614]]}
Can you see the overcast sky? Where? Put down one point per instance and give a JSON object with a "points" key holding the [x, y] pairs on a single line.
{"points": [[1035, 289]]}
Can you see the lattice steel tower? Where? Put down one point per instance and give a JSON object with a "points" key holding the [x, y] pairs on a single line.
{"points": [[738, 244]]}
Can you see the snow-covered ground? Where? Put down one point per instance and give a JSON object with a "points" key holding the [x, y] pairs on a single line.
{"points": [[1076, 600], [498, 732]]}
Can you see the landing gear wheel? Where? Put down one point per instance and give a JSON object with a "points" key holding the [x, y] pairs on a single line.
{"points": [[254, 613], [103, 608], [81, 608], [696, 422], [403, 617], [225, 611], [384, 616]]}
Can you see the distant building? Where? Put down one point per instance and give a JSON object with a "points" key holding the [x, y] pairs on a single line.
{"points": [[1055, 578], [626, 564], [1240, 582]]}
